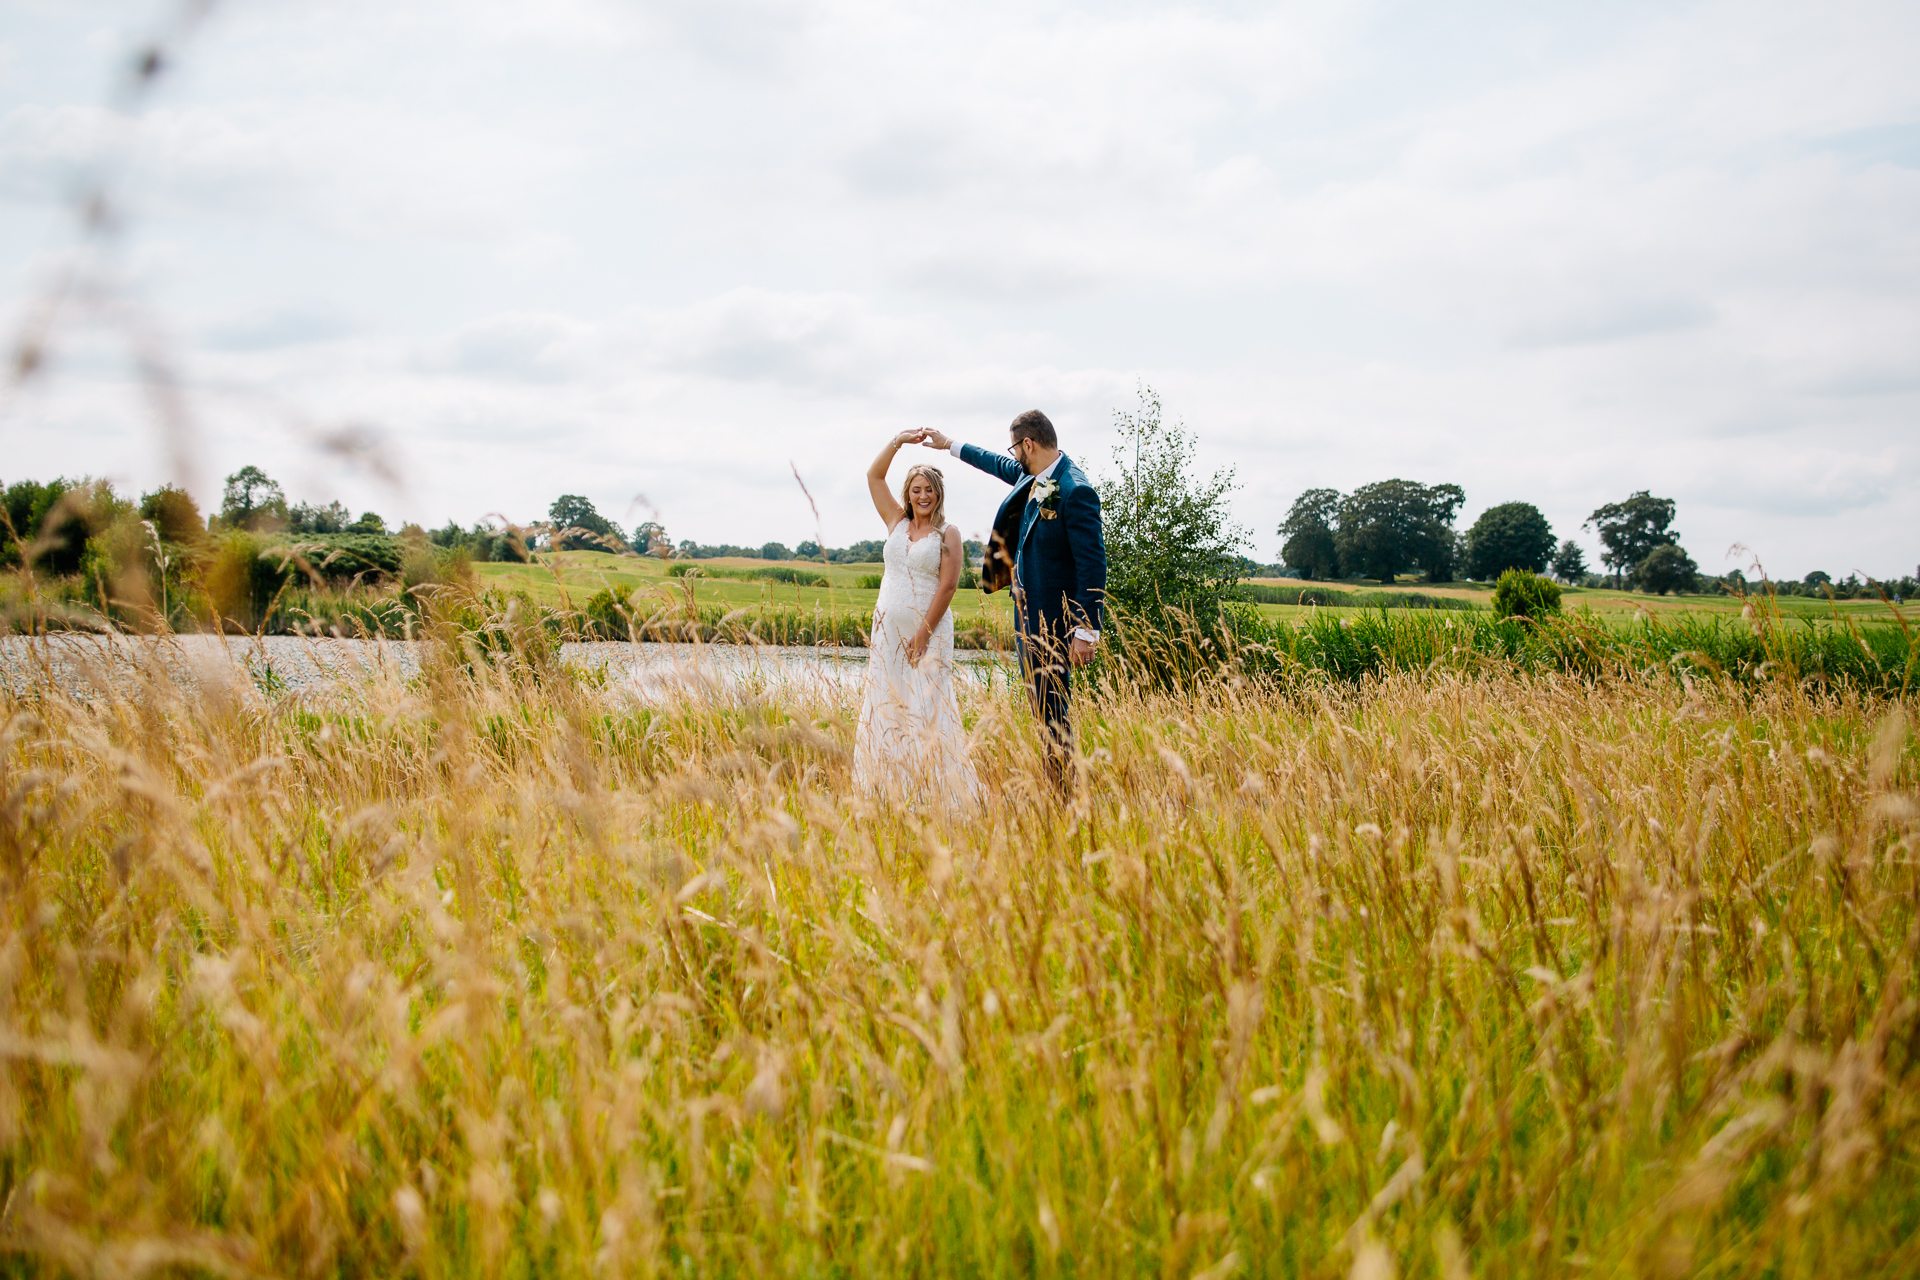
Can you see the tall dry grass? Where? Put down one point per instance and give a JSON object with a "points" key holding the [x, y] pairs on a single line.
{"points": [[500, 973]]}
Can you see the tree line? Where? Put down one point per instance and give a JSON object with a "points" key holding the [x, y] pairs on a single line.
{"points": [[1391, 527], [79, 551], [1171, 538], [50, 525], [1394, 527]]}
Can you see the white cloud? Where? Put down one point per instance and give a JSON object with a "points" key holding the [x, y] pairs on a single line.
{"points": [[667, 247], [42, 147]]}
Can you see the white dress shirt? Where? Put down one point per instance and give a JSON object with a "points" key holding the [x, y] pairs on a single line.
{"points": [[1079, 633]]}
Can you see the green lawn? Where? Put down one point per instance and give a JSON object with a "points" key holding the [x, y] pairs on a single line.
{"points": [[1605, 601], [572, 577]]}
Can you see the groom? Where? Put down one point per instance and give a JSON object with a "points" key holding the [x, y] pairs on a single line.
{"points": [[1047, 544]]}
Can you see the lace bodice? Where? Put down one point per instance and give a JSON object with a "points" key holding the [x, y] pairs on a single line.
{"points": [[913, 570]]}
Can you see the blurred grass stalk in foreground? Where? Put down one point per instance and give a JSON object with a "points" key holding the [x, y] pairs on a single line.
{"points": [[501, 972]]}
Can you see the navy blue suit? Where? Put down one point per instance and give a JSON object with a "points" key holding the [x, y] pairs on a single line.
{"points": [[1059, 580]]}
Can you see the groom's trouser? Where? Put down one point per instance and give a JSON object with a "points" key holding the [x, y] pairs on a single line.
{"points": [[1048, 673]]}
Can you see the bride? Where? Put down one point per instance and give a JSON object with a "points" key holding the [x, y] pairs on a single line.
{"points": [[910, 743]]}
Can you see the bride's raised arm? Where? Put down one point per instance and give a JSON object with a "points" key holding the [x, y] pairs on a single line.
{"points": [[883, 501]]}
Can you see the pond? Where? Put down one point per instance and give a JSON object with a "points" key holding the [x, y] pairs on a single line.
{"points": [[275, 664]]}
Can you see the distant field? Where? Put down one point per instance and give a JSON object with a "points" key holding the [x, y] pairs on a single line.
{"points": [[1607, 601], [576, 575]]}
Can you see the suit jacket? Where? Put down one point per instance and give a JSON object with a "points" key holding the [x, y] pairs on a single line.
{"points": [[1060, 563]]}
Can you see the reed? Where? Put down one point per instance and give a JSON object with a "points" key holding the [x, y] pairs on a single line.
{"points": [[1272, 593], [1751, 649], [1459, 970]]}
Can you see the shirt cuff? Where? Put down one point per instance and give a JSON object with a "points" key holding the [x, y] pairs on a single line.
{"points": [[1082, 633], [954, 448]]}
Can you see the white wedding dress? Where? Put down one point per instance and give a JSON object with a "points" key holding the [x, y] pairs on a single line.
{"points": [[910, 745]]}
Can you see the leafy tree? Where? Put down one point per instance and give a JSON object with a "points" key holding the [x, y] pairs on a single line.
{"points": [[1522, 593], [865, 551], [17, 500], [705, 551], [1666, 568], [25, 502], [1171, 541], [1309, 548], [1513, 535], [343, 557], [252, 501], [53, 521], [481, 543], [1392, 525], [650, 538], [305, 517], [174, 514], [60, 528], [369, 522], [1818, 579], [1455, 554], [506, 544], [578, 527], [572, 510], [1630, 530], [775, 551], [859, 553], [1569, 562]]}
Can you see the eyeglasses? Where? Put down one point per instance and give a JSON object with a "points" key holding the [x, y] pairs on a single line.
{"points": [[1014, 448]]}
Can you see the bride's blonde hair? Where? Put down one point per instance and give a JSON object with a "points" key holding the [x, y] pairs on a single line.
{"points": [[939, 484]]}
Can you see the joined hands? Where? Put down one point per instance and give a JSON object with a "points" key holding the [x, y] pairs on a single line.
{"points": [[926, 436]]}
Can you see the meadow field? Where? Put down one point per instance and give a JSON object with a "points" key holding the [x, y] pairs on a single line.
{"points": [[569, 578], [1447, 971]]}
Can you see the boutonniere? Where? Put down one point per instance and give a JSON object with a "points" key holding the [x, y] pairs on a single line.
{"points": [[1046, 496]]}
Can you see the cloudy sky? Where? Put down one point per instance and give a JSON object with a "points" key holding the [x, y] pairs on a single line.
{"points": [[668, 250]]}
